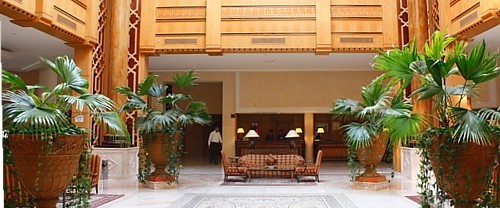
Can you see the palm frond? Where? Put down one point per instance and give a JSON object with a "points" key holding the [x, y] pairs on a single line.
{"points": [[490, 115], [13, 80], [145, 86], [157, 90], [112, 121], [470, 127], [345, 108], [359, 134], [185, 79], [402, 128], [71, 74], [479, 66]]}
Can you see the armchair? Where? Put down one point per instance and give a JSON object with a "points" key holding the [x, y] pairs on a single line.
{"points": [[232, 169], [310, 169]]}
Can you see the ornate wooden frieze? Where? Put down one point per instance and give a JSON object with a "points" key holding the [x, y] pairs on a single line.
{"points": [[357, 11], [166, 13], [268, 12]]}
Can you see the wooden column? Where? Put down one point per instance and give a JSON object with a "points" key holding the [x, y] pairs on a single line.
{"points": [[119, 11], [83, 59], [419, 30], [213, 36], [323, 27], [309, 136]]}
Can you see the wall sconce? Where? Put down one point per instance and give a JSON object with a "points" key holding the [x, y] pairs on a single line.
{"points": [[239, 132], [252, 134], [298, 130]]}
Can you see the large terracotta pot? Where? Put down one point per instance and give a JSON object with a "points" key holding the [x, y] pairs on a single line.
{"points": [[472, 163], [157, 146], [46, 173], [370, 157]]}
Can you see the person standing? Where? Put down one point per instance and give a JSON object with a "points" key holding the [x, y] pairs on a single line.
{"points": [[215, 145]]}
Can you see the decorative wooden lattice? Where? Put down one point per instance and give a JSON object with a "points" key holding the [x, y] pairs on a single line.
{"points": [[404, 23], [99, 62], [133, 61], [433, 13]]}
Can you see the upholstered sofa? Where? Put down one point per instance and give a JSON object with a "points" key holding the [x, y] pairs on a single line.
{"points": [[270, 160]]}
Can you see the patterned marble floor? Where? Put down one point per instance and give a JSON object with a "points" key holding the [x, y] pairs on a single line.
{"points": [[200, 177]]}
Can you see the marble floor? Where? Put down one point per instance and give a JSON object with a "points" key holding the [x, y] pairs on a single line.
{"points": [[198, 176]]}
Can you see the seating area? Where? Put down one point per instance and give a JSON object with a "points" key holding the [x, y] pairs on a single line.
{"points": [[271, 166]]}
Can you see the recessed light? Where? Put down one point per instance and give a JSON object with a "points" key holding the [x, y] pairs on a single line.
{"points": [[269, 61]]}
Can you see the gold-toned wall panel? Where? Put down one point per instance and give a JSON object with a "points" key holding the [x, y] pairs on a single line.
{"points": [[167, 13], [26, 5], [356, 26], [269, 12], [361, 41], [74, 9], [180, 27], [180, 42], [180, 3], [357, 2], [470, 17], [273, 41], [66, 21], [357, 11], [268, 26], [267, 2]]}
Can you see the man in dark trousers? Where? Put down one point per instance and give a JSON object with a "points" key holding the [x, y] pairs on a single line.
{"points": [[215, 145]]}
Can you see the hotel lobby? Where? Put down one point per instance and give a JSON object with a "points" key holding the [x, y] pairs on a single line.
{"points": [[268, 74]]}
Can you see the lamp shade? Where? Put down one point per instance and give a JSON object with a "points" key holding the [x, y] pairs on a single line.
{"points": [[292, 134], [251, 134], [320, 131], [298, 130], [240, 131]]}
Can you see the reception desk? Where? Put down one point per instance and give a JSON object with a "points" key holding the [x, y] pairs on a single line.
{"points": [[270, 147], [332, 150]]}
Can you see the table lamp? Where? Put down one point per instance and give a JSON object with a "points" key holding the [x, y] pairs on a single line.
{"points": [[319, 132], [298, 130], [292, 134], [252, 134], [239, 132]]}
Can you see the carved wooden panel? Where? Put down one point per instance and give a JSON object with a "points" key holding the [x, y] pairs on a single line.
{"points": [[356, 26], [270, 26], [357, 2], [14, 5], [470, 17], [269, 12], [180, 42], [357, 11], [180, 3], [267, 2], [367, 42], [172, 13], [254, 41], [180, 27]]}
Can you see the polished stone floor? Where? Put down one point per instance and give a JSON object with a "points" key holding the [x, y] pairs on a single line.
{"points": [[200, 177]]}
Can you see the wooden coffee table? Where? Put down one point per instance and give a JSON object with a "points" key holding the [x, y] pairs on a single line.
{"points": [[252, 170]]}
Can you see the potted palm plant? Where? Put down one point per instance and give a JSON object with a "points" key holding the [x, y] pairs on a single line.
{"points": [[379, 118], [161, 126], [46, 145], [461, 143]]}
